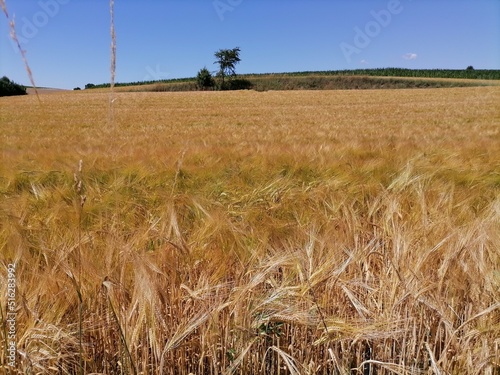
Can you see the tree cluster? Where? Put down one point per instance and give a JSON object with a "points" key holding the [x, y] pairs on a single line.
{"points": [[226, 59], [10, 88]]}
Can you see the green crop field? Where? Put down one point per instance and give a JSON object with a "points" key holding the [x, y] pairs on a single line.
{"points": [[294, 78]]}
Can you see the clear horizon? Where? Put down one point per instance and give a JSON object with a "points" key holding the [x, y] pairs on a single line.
{"points": [[67, 42]]}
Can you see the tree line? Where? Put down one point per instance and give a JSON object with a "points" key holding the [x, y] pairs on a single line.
{"points": [[10, 88]]}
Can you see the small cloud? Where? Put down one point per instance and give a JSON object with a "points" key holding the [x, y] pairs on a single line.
{"points": [[363, 62], [410, 56]]}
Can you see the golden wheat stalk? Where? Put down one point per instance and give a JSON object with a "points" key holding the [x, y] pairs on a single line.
{"points": [[13, 35], [215, 262], [112, 67]]}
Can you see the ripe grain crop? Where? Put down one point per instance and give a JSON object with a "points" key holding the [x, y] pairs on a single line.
{"points": [[309, 232]]}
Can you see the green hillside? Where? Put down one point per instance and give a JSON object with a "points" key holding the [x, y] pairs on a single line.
{"points": [[385, 78]]}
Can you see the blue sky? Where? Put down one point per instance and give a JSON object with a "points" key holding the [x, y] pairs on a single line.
{"points": [[67, 42]]}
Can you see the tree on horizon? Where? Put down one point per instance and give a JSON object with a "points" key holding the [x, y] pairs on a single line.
{"points": [[204, 79], [227, 60], [10, 88]]}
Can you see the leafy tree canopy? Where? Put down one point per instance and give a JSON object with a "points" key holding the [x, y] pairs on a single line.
{"points": [[204, 79], [227, 60], [10, 88]]}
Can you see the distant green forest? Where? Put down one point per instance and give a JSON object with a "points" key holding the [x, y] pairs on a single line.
{"points": [[10, 88], [470, 73]]}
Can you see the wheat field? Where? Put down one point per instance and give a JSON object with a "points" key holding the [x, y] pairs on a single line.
{"points": [[297, 232]]}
